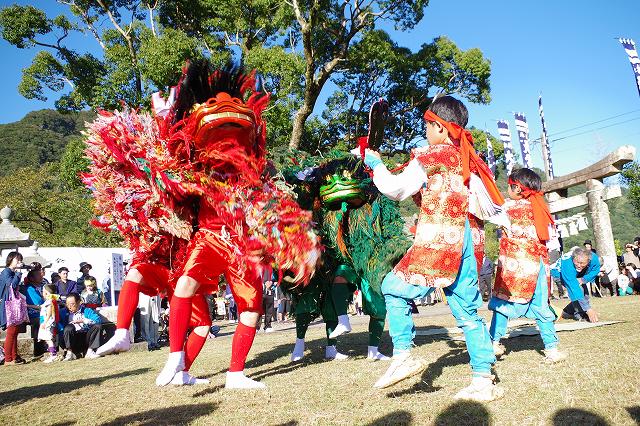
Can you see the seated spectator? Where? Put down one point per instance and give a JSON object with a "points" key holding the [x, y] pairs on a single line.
{"points": [[64, 285], [92, 297], [33, 294], [634, 277], [82, 332], [624, 283], [80, 282]]}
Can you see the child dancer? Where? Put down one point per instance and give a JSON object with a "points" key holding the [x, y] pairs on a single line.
{"points": [[522, 281], [49, 321], [442, 254]]}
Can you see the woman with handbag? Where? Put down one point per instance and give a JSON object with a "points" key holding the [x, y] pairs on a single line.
{"points": [[13, 307]]}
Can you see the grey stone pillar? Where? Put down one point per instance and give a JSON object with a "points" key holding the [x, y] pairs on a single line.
{"points": [[602, 227]]}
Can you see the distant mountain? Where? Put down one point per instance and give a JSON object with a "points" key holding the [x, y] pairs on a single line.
{"points": [[38, 138]]}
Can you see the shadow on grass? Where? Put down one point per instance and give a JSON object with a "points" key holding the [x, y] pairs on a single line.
{"points": [[65, 423], [400, 417], [634, 412], [176, 414], [59, 388], [523, 343], [208, 391], [577, 416], [468, 413]]}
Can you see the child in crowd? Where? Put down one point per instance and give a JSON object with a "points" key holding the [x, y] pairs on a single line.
{"points": [[91, 296], [624, 287], [442, 254], [521, 288], [49, 320]]}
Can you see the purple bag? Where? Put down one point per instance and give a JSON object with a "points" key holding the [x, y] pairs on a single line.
{"points": [[16, 308]]}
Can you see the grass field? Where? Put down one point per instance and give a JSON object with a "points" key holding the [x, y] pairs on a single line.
{"points": [[599, 384]]}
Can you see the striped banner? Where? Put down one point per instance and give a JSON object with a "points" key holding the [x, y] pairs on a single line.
{"points": [[491, 158], [505, 137], [630, 48], [523, 135], [546, 147]]}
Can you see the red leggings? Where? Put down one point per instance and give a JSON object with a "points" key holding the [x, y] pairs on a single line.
{"points": [[11, 344]]}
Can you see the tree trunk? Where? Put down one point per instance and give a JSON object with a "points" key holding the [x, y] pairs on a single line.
{"points": [[298, 123]]}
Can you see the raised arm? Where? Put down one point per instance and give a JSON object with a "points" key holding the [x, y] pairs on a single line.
{"points": [[403, 185]]}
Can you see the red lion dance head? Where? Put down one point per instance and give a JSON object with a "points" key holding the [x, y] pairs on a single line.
{"points": [[216, 121]]}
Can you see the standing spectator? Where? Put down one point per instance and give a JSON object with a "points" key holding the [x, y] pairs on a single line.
{"points": [[233, 309], [9, 281], [106, 288], [486, 278], [149, 320], [268, 293], [596, 281], [554, 255], [64, 285], [630, 256], [49, 318], [92, 297], [357, 301], [82, 333], [284, 304], [84, 270], [33, 294]]}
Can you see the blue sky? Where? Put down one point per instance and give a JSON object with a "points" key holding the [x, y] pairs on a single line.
{"points": [[565, 50]]}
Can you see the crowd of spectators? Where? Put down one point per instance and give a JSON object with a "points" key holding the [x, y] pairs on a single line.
{"points": [[61, 315]]}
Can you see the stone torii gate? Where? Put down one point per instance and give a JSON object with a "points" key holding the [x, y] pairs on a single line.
{"points": [[556, 190]]}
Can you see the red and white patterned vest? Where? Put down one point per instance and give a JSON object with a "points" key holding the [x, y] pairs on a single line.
{"points": [[435, 256], [520, 255]]}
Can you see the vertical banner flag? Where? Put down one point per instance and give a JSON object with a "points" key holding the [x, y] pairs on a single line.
{"points": [[630, 48], [505, 137], [523, 135], [546, 147], [491, 158]]}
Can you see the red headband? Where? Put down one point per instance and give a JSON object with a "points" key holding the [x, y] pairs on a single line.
{"points": [[541, 215], [469, 156]]}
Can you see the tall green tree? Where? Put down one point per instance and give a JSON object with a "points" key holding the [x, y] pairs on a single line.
{"points": [[298, 46], [379, 68], [54, 214], [630, 176]]}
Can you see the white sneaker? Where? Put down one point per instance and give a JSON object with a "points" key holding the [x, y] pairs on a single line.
{"points": [[374, 355], [402, 367], [174, 365], [332, 353], [498, 349], [268, 330], [70, 356], [551, 356], [91, 354], [343, 327], [120, 342], [237, 380], [298, 350], [481, 389], [183, 378]]}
